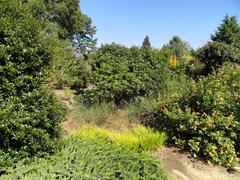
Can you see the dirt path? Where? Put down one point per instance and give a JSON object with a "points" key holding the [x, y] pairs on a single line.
{"points": [[70, 125], [181, 167]]}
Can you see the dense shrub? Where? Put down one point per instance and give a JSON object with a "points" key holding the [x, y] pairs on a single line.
{"points": [[120, 74], [214, 54], [30, 124], [206, 119], [29, 115], [91, 158], [24, 51], [175, 84]]}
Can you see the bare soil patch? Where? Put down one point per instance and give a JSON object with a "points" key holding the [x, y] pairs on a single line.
{"points": [[182, 167]]}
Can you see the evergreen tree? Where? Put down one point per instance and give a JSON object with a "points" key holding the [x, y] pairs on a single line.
{"points": [[180, 48], [228, 32], [146, 43], [71, 23]]}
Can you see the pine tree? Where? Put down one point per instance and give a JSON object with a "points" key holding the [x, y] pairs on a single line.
{"points": [[146, 43], [228, 32], [67, 16]]}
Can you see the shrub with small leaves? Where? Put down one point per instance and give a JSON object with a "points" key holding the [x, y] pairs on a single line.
{"points": [[29, 114], [30, 124], [120, 74], [205, 120], [84, 157]]}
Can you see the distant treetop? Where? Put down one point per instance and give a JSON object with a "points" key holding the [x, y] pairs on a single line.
{"points": [[228, 32], [146, 43]]}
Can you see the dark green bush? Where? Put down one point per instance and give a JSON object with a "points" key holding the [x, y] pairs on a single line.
{"points": [[120, 73], [29, 115], [214, 54], [91, 158], [30, 124], [24, 51], [205, 120]]}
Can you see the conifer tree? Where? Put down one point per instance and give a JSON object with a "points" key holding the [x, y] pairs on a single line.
{"points": [[146, 43], [228, 32], [67, 20]]}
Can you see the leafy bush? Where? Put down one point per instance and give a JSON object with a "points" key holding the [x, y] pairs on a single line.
{"points": [[24, 51], [67, 70], [206, 119], [94, 114], [214, 54], [139, 139], [175, 84], [29, 114], [91, 158], [30, 124], [120, 74]]}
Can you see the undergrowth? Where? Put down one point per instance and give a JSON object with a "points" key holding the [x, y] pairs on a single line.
{"points": [[84, 157], [139, 139], [94, 114]]}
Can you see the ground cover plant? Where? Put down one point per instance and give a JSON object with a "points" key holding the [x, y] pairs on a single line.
{"points": [[84, 157], [139, 139]]}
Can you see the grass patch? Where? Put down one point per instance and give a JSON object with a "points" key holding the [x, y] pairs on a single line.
{"points": [[140, 139], [141, 106], [94, 114], [93, 157]]}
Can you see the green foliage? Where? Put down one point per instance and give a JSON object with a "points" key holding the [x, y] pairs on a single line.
{"points": [[30, 124], [67, 70], [206, 119], [224, 46], [139, 139], [91, 158], [24, 51], [228, 32], [71, 23], [180, 48], [94, 114], [120, 74], [176, 84], [29, 114], [146, 43], [214, 54]]}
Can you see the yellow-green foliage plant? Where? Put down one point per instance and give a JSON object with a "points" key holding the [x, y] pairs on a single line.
{"points": [[83, 157], [139, 139]]}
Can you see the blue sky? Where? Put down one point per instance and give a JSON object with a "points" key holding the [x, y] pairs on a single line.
{"points": [[128, 21]]}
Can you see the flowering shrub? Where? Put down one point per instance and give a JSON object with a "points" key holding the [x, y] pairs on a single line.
{"points": [[206, 119]]}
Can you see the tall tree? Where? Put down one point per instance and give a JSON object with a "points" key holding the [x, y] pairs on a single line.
{"points": [[71, 23], [146, 43], [228, 32], [180, 48]]}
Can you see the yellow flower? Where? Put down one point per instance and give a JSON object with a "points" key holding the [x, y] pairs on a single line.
{"points": [[173, 61]]}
